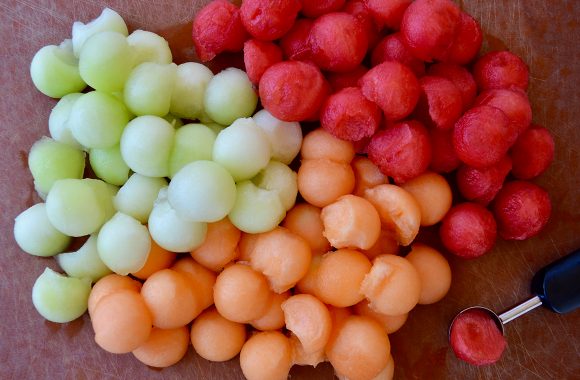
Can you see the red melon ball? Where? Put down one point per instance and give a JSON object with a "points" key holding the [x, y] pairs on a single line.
{"points": [[269, 20], [440, 104], [338, 81], [467, 42], [501, 69], [317, 8], [388, 13], [532, 153], [482, 185], [461, 78], [392, 48], [258, 57], [443, 157], [295, 44]]}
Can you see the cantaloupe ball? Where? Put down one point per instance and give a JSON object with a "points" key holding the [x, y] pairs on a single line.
{"points": [[398, 211], [309, 319], [282, 256], [121, 321], [111, 284], [393, 285], [157, 259], [215, 338], [388, 372], [273, 318], [320, 144], [366, 175], [352, 222], [359, 348], [219, 246], [172, 300], [241, 294], [322, 181], [202, 279], [246, 246], [302, 357], [266, 356], [433, 194], [163, 348], [309, 283], [434, 272], [391, 323], [386, 244], [304, 220], [340, 276]]}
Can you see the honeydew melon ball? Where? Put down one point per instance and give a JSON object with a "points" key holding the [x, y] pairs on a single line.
{"points": [[85, 262], [172, 232], [189, 91], [35, 235], [106, 61], [173, 120], [202, 191], [229, 96], [256, 210], [50, 161], [58, 120], [215, 127], [55, 71], [59, 298], [108, 165], [148, 88], [137, 196], [281, 179], [193, 142], [73, 207], [105, 194], [242, 148], [285, 137], [97, 120], [149, 47], [124, 244], [146, 145], [108, 20], [205, 119]]}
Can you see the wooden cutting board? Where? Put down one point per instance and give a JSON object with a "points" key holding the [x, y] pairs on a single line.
{"points": [[542, 345]]}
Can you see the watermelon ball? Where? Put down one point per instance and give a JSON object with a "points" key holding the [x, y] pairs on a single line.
{"points": [[295, 44], [402, 151], [467, 43], [338, 41], [317, 8], [392, 48], [350, 116], [468, 230], [217, 28], [358, 9], [481, 137], [338, 81], [461, 78], [428, 28], [443, 156], [482, 185], [522, 209], [269, 20], [388, 13], [440, 104], [293, 90], [394, 88], [258, 56], [501, 69], [532, 153]]}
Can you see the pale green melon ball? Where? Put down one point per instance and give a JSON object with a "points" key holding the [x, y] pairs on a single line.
{"points": [[256, 210], [148, 88], [58, 120], [105, 194], [215, 127], [285, 137], [137, 195], [173, 120], [281, 179], [189, 92], [35, 235], [193, 142], [149, 47], [108, 165], [85, 262], [108, 20]]}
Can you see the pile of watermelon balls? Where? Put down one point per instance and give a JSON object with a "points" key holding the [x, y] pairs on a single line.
{"points": [[330, 274]]}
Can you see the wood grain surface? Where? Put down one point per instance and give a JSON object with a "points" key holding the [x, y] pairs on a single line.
{"points": [[542, 345]]}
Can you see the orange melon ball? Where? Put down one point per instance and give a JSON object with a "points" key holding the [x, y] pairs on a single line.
{"points": [[282, 256], [308, 283], [338, 315], [309, 320], [246, 246], [359, 348], [273, 319], [241, 294], [322, 181], [302, 357], [433, 194], [366, 175], [171, 298], [391, 323], [109, 284], [163, 348], [398, 211], [321, 144], [266, 356], [304, 220], [201, 279], [388, 372], [219, 246], [351, 222], [121, 321], [386, 244], [340, 276], [157, 259], [393, 285], [216, 338], [434, 272]]}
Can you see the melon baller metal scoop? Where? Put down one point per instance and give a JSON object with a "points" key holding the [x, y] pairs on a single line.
{"points": [[556, 287]]}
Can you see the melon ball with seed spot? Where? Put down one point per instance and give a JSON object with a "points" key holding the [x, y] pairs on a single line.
{"points": [[434, 272], [266, 356], [216, 338]]}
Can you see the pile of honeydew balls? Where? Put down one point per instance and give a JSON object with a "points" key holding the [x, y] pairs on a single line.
{"points": [[194, 228]]}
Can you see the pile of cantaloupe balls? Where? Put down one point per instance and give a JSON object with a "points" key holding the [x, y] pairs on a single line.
{"points": [[277, 282]]}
